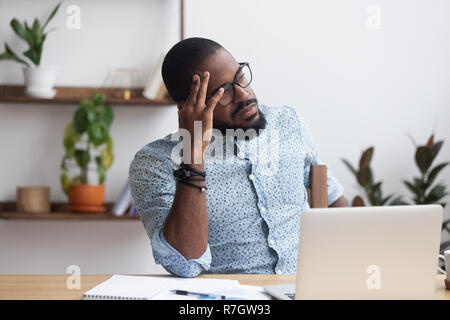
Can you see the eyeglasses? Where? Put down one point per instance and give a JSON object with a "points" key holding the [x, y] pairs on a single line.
{"points": [[242, 78]]}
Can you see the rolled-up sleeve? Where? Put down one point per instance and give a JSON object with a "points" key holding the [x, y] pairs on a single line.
{"points": [[152, 187], [335, 189], [174, 262]]}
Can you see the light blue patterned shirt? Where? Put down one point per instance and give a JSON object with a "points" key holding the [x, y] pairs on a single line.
{"points": [[254, 200]]}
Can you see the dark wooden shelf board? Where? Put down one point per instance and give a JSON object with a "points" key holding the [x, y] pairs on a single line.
{"points": [[64, 216], [73, 95], [60, 211]]}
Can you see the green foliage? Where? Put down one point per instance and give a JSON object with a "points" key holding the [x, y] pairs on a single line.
{"points": [[365, 179], [422, 187], [92, 120], [11, 55], [34, 36]]}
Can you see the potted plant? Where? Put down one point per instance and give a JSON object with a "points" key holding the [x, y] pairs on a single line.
{"points": [[87, 140], [424, 188], [365, 179], [39, 79]]}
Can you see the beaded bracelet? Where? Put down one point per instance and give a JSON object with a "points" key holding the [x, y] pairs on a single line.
{"points": [[201, 188], [184, 173]]}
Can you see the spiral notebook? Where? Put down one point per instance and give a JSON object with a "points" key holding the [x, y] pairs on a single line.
{"points": [[122, 287]]}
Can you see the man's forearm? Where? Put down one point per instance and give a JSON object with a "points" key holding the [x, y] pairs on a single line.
{"points": [[186, 226]]}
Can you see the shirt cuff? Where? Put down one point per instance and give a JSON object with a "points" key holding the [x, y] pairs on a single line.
{"points": [[174, 262], [335, 191]]}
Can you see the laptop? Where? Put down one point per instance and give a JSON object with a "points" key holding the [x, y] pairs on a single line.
{"points": [[388, 252]]}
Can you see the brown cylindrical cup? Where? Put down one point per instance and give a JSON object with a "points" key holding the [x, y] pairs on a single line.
{"points": [[33, 199]]}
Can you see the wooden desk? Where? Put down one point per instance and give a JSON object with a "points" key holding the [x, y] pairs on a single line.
{"points": [[53, 287]]}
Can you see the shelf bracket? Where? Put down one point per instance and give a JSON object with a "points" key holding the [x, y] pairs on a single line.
{"points": [[181, 19]]}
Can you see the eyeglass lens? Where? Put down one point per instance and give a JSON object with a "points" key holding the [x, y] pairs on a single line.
{"points": [[243, 79]]}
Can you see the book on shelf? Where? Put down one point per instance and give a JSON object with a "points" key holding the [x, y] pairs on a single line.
{"points": [[133, 211], [123, 202], [155, 88]]}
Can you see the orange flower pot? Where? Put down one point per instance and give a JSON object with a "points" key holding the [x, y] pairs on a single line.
{"points": [[86, 198]]}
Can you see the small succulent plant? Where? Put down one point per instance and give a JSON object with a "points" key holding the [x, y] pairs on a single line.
{"points": [[34, 35]]}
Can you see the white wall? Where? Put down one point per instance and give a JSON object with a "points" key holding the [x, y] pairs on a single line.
{"points": [[113, 34], [355, 86]]}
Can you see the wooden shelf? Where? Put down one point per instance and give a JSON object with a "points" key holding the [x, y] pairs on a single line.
{"points": [[60, 211], [73, 95], [64, 216]]}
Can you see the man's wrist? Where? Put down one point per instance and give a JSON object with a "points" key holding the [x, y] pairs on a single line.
{"points": [[199, 167], [192, 175]]}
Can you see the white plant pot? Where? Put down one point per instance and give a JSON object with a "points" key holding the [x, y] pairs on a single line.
{"points": [[39, 81]]}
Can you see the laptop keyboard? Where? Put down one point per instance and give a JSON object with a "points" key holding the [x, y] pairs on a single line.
{"points": [[290, 295]]}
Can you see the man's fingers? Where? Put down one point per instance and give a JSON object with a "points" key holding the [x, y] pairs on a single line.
{"points": [[201, 96], [192, 98], [214, 100]]}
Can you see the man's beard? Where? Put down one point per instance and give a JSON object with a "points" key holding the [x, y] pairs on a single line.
{"points": [[259, 125]]}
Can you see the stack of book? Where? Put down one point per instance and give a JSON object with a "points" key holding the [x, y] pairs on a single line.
{"points": [[155, 88]]}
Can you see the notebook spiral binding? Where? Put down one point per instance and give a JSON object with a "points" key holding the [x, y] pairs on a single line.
{"points": [[107, 297]]}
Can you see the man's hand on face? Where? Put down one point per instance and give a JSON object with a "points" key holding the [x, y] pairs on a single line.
{"points": [[196, 109]]}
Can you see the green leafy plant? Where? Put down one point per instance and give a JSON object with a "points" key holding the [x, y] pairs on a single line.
{"points": [[33, 35], [365, 179], [92, 121], [419, 186], [423, 187]]}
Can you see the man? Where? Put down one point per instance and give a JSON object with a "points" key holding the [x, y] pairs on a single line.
{"points": [[203, 214]]}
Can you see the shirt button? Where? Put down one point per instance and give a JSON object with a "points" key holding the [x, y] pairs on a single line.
{"points": [[251, 177], [241, 155], [263, 209], [272, 242], [279, 271]]}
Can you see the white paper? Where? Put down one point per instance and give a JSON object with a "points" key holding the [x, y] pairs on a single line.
{"points": [[128, 287], [231, 289], [159, 288]]}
